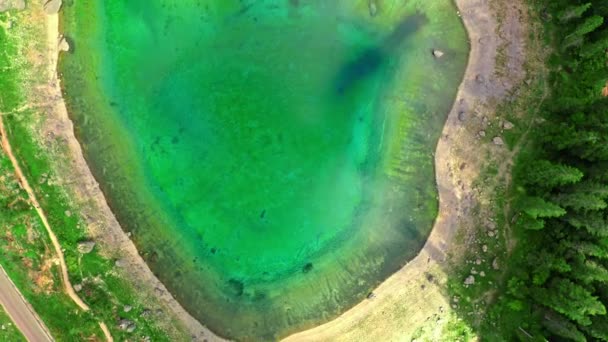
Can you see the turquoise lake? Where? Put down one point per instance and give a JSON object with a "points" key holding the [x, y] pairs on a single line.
{"points": [[272, 159]]}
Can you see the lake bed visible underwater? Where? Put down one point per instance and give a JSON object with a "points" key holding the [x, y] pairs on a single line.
{"points": [[272, 159]]}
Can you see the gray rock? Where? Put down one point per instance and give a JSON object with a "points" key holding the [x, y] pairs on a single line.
{"points": [[498, 141], [77, 287], [126, 325], [120, 263], [86, 247], [484, 248], [495, 264], [52, 6], [482, 133], [470, 280], [127, 308], [64, 46], [507, 125], [438, 53], [462, 115]]}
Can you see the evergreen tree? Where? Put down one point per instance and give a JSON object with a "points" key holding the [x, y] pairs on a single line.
{"points": [[573, 12], [544, 173], [560, 326], [571, 300]]}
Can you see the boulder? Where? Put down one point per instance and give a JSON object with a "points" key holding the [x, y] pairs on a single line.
{"points": [[126, 325], [438, 53], [498, 141], [507, 125], [470, 280], [77, 287], [52, 6], [64, 46], [86, 247]]}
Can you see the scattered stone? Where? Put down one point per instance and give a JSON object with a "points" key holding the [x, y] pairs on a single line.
{"points": [[498, 141], [482, 274], [462, 115], [478, 262], [491, 233], [63, 44], [484, 248], [7, 5], [159, 291], [438, 53], [491, 225], [371, 295], [68, 213], [146, 313], [77, 287], [373, 8], [120, 263], [480, 79], [86, 247], [127, 308], [507, 125], [52, 6], [455, 299], [482, 133], [470, 280], [495, 264], [126, 325]]}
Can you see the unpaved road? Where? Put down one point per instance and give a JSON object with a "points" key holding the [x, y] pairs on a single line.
{"points": [[20, 312]]}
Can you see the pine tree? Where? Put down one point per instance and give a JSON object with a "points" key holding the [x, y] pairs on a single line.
{"points": [[560, 326], [589, 25], [536, 207], [598, 328], [544, 173], [570, 299], [596, 48], [593, 222], [573, 12]]}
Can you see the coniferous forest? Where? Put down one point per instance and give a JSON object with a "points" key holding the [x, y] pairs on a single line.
{"points": [[556, 288]]}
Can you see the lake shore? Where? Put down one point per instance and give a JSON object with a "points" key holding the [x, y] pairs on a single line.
{"points": [[402, 295], [102, 225], [415, 295]]}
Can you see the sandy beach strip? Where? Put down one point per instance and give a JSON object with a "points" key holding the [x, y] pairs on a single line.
{"points": [[407, 299]]}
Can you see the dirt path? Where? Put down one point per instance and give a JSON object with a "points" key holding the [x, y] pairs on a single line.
{"points": [[20, 312]]}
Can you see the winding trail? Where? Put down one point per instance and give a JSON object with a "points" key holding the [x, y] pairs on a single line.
{"points": [[69, 290]]}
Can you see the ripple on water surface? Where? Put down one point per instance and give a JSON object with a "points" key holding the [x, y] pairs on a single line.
{"points": [[273, 159]]}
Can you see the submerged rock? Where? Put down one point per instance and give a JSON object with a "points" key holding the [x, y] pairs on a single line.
{"points": [[373, 8], [7, 5], [86, 247], [52, 6]]}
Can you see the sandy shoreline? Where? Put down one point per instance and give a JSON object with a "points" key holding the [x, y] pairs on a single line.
{"points": [[416, 293], [401, 295], [103, 226]]}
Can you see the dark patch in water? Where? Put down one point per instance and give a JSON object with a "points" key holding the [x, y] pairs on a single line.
{"points": [[307, 268], [372, 58], [236, 287]]}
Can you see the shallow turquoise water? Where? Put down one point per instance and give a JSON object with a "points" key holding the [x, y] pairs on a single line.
{"points": [[271, 158]]}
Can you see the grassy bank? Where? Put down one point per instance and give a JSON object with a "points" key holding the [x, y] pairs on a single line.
{"points": [[26, 252]]}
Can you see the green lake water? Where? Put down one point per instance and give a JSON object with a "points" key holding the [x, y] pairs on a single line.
{"points": [[271, 158]]}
